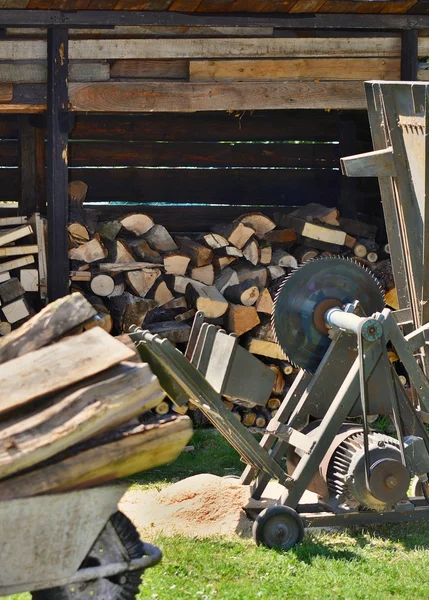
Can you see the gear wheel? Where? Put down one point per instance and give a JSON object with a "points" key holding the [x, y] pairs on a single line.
{"points": [[304, 297]]}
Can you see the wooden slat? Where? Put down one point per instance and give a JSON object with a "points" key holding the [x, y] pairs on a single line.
{"points": [[104, 49], [319, 68], [149, 69], [21, 72], [186, 97], [138, 31], [398, 7], [202, 154], [6, 92]]}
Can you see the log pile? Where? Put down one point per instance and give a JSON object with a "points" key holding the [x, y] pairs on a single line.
{"points": [[71, 404], [135, 272]]}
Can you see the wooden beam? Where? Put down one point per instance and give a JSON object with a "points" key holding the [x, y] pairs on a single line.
{"points": [[187, 97], [57, 167], [36, 72]]}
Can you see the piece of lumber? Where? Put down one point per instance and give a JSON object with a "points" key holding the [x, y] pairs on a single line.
{"points": [[175, 332], [10, 221], [159, 239], [149, 69], [258, 274], [176, 263], [53, 368], [288, 369], [51, 323], [185, 316], [80, 276], [264, 348], [252, 252], [248, 418], [303, 254], [75, 415], [360, 250], [78, 234], [125, 453], [200, 255], [317, 213], [314, 232], [206, 298], [266, 253], [162, 294], [126, 266], [229, 251], [29, 279], [220, 262], [280, 236], [121, 253], [273, 403], [204, 274], [245, 293], [357, 228], [162, 408], [129, 310], [15, 234], [180, 283], [236, 233], [16, 311], [261, 420], [281, 258], [214, 240], [279, 381], [89, 252], [276, 272], [102, 285], [4, 276], [18, 250], [141, 281], [265, 304], [11, 290], [372, 257], [241, 319], [144, 252], [260, 223], [137, 223], [109, 231], [226, 278]]}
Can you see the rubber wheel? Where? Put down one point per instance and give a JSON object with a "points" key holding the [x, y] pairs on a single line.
{"points": [[278, 527], [121, 587]]}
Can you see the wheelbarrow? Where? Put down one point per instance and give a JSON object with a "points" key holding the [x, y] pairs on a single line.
{"points": [[74, 545]]}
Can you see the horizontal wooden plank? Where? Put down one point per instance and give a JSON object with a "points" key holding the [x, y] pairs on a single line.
{"points": [[315, 68], [150, 69], [6, 92], [36, 72], [167, 48], [136, 31], [184, 154], [187, 97]]}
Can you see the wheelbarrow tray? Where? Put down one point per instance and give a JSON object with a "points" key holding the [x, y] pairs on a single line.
{"points": [[44, 539]]}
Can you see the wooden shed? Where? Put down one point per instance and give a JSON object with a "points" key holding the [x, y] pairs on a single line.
{"points": [[193, 111]]}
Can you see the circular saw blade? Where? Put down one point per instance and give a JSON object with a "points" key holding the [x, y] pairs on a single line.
{"points": [[304, 297]]}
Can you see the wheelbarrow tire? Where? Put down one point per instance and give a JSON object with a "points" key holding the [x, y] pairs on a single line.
{"points": [[278, 527], [121, 587]]}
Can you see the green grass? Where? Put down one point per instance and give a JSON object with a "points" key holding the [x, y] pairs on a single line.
{"points": [[372, 564]]}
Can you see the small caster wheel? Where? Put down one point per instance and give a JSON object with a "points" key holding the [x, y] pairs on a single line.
{"points": [[278, 527]]}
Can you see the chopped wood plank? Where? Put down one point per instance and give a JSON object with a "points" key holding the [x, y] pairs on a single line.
{"points": [[200, 255], [236, 233], [280, 236], [150, 69], [50, 369], [129, 266], [221, 262], [176, 264], [241, 319], [265, 303], [17, 263], [142, 281], [11, 290], [159, 239], [16, 311], [9, 221], [120, 252], [226, 278], [75, 415], [314, 232], [110, 230], [137, 223], [266, 254], [136, 450], [282, 258], [179, 96], [15, 234], [162, 294], [89, 252], [252, 252], [276, 271], [258, 274], [144, 252], [206, 298], [204, 274], [317, 213], [264, 348], [37, 72], [78, 234], [180, 283], [259, 222], [18, 250], [360, 69], [214, 240], [29, 279]]}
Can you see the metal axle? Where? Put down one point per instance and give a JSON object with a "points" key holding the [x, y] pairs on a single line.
{"points": [[369, 328]]}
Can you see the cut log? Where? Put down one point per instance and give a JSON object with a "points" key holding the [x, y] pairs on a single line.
{"points": [[124, 338], [5, 328], [249, 417], [214, 241], [279, 381], [118, 455], [11, 290], [141, 281], [265, 303], [263, 348], [16, 311], [261, 420], [273, 403], [162, 408], [129, 310], [144, 252], [304, 254], [18, 250], [206, 298], [185, 316], [312, 231], [245, 293], [16, 263], [137, 223], [177, 333], [276, 272], [162, 294], [74, 416], [358, 229], [236, 233], [264, 331], [258, 222], [229, 251], [360, 250], [177, 303], [372, 257], [121, 253], [123, 267], [102, 285], [77, 192], [288, 369], [241, 319], [282, 258], [159, 239], [314, 213], [220, 262], [176, 264], [204, 274], [266, 253], [110, 230], [50, 324], [281, 236], [200, 255], [89, 252], [78, 234], [5, 276], [225, 279], [258, 274], [181, 283], [391, 299], [53, 368], [252, 252]]}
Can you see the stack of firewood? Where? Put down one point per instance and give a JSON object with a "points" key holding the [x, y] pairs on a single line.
{"points": [[69, 410]]}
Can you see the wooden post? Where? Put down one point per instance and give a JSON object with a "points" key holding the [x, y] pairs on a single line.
{"points": [[31, 163], [57, 169], [409, 54], [348, 147]]}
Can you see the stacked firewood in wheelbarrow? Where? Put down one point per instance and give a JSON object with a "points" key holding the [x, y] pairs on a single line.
{"points": [[71, 400]]}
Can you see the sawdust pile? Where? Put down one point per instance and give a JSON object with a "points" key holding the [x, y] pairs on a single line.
{"points": [[199, 506]]}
